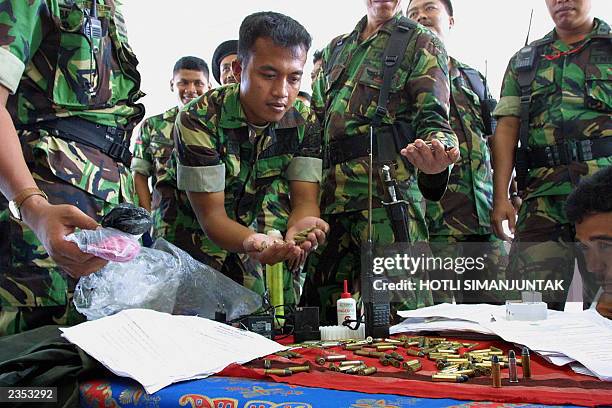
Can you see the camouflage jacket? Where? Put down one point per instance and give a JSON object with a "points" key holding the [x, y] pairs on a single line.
{"points": [[465, 207], [571, 99], [345, 97], [217, 151], [47, 66], [154, 145]]}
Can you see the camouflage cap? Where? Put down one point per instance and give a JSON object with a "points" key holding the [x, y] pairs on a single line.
{"points": [[224, 49]]}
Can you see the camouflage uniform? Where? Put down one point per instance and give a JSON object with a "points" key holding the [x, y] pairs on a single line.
{"points": [[173, 218], [218, 151], [46, 66], [345, 98], [463, 214], [571, 100]]}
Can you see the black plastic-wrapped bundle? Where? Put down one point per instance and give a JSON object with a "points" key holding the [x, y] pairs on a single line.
{"points": [[129, 219]]}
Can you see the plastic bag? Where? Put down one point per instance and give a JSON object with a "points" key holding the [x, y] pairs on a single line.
{"points": [[163, 278], [106, 243], [128, 218], [204, 289], [147, 282]]}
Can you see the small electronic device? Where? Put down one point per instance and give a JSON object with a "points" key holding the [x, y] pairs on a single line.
{"points": [[260, 324], [306, 325]]}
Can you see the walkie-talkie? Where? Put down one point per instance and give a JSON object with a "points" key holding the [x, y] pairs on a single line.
{"points": [[93, 26], [376, 305], [92, 29]]}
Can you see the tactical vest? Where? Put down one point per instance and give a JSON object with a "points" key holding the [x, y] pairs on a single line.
{"points": [[389, 139], [572, 150]]}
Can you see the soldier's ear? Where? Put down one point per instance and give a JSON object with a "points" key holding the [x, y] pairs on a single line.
{"points": [[451, 22], [171, 85], [237, 69]]}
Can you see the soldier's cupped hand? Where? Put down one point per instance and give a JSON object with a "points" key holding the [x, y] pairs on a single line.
{"points": [[51, 223], [430, 157], [270, 250], [308, 233]]}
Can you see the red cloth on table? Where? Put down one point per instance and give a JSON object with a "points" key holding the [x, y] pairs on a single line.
{"points": [[549, 384]]}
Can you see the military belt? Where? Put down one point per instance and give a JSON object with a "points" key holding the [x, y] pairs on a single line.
{"points": [[388, 140], [566, 153], [113, 141]]}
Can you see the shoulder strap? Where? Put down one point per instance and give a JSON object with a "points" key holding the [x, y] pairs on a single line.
{"points": [[526, 65], [337, 47], [476, 82], [392, 58]]}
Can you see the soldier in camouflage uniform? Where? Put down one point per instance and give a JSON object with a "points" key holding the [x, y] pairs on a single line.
{"points": [[463, 214], [74, 109], [345, 98], [249, 155], [172, 215], [569, 131]]}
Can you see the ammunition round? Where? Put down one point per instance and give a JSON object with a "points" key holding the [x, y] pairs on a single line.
{"points": [[367, 371], [281, 372]]}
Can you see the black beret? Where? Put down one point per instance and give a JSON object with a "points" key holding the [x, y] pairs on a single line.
{"points": [[224, 49]]}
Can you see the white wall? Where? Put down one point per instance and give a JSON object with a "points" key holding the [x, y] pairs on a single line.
{"points": [[484, 29]]}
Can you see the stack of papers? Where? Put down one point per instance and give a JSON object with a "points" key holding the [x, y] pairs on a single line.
{"points": [[157, 349], [584, 337]]}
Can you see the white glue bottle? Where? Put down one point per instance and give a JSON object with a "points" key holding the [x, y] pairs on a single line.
{"points": [[346, 306]]}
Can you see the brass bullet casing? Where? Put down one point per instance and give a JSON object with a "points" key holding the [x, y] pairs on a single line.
{"points": [[301, 236], [394, 341], [281, 372], [383, 343], [369, 340], [448, 351], [354, 369], [487, 351], [457, 360], [335, 357], [299, 369], [450, 368], [396, 356], [411, 343], [495, 373], [351, 363], [449, 378], [367, 371], [267, 364], [385, 361], [329, 344], [469, 373], [373, 354], [412, 366], [440, 364], [415, 353], [384, 348], [396, 363], [526, 363], [333, 367], [320, 360], [353, 347]]}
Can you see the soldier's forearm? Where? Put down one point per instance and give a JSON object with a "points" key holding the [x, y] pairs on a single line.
{"points": [[141, 184], [14, 173], [504, 149], [222, 230], [304, 201]]}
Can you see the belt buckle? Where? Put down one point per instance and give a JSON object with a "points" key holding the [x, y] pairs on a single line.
{"points": [[584, 150], [552, 156]]}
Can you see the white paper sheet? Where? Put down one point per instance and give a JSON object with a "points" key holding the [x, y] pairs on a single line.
{"points": [[563, 338], [157, 349]]}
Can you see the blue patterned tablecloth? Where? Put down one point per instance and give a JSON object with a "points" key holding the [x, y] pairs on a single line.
{"points": [[231, 392]]}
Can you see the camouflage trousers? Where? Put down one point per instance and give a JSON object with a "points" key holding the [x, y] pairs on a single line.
{"points": [[544, 248], [340, 258], [485, 245], [33, 291]]}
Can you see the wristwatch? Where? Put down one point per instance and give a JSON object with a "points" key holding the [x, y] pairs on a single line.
{"points": [[17, 201]]}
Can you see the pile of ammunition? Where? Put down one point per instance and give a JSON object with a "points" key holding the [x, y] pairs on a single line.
{"points": [[452, 365]]}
